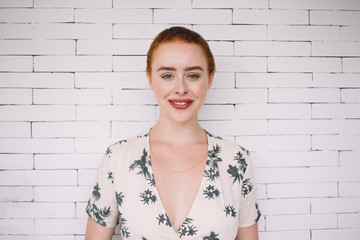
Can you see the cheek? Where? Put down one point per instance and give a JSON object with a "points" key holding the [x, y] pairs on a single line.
{"points": [[200, 89]]}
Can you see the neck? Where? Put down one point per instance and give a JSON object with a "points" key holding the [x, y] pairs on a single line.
{"points": [[178, 133]]}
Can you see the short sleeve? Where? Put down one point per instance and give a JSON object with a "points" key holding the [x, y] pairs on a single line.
{"points": [[102, 205], [249, 212]]}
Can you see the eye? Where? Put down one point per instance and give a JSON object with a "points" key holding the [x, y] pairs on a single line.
{"points": [[193, 76], [167, 76]]}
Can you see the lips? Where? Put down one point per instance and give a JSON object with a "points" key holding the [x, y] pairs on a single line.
{"points": [[180, 103]]}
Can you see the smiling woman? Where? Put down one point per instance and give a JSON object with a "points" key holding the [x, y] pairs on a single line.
{"points": [[176, 180]]}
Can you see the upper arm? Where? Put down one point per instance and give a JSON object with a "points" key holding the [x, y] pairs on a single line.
{"points": [[248, 233], [95, 231]]}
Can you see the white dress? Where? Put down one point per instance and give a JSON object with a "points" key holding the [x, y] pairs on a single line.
{"points": [[124, 193]]}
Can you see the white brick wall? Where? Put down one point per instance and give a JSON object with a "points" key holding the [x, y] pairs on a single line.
{"points": [[72, 81]]}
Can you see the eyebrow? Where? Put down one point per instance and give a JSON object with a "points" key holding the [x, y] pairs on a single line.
{"points": [[186, 69]]}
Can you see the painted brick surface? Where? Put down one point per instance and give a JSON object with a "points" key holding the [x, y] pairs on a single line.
{"points": [[72, 81]]}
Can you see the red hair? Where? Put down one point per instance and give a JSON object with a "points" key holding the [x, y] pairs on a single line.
{"points": [[180, 34]]}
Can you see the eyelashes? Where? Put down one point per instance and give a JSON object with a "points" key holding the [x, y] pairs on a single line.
{"points": [[192, 76]]}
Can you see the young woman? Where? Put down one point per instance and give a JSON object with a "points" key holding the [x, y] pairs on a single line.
{"points": [[176, 180]]}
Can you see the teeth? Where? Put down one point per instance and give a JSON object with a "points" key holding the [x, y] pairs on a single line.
{"points": [[180, 103]]}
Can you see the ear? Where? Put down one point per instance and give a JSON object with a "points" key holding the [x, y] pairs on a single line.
{"points": [[211, 78], [148, 75]]}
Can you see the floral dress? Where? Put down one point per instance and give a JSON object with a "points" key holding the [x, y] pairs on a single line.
{"points": [[125, 193]]}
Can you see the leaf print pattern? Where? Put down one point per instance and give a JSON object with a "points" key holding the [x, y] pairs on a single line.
{"points": [[247, 187], [98, 215], [108, 152], [164, 219], [147, 197], [110, 177], [96, 192], [212, 236], [119, 198], [212, 162], [186, 229], [143, 164], [258, 212], [123, 228], [230, 210], [211, 135], [210, 192], [234, 171]]}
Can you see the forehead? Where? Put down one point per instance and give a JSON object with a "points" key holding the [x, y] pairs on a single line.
{"points": [[179, 53]]}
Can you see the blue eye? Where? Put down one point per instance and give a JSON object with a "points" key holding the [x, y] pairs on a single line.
{"points": [[193, 76], [167, 76]]}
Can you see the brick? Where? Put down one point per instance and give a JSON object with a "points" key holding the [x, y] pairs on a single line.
{"points": [[72, 96], [117, 80], [271, 48], [72, 63], [37, 113], [73, 31], [241, 64], [231, 32], [16, 63], [265, 16], [305, 64], [124, 113], [80, 213], [73, 4], [134, 97], [294, 235], [113, 47], [39, 177], [16, 161], [222, 96], [335, 111], [336, 142], [308, 95], [300, 222], [302, 190], [140, 31], [113, 15], [303, 33], [348, 234], [335, 17], [129, 63], [335, 205], [15, 96], [284, 206], [349, 189], [335, 49], [217, 112], [93, 145], [304, 127], [71, 129], [60, 226], [223, 80], [350, 95], [193, 16], [349, 158], [296, 159], [229, 4], [87, 177], [36, 80], [31, 145], [14, 194], [221, 48], [16, 31], [32, 15], [152, 4], [273, 111], [66, 161], [350, 33], [236, 127], [315, 4], [37, 237], [275, 143], [37, 210], [125, 130], [351, 65], [17, 226], [270, 80], [342, 80], [351, 220], [16, 3], [35, 47], [61, 194]]}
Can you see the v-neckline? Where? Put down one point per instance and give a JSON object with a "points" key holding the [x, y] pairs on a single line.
{"points": [[195, 200]]}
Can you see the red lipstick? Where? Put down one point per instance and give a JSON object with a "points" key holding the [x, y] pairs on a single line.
{"points": [[180, 103]]}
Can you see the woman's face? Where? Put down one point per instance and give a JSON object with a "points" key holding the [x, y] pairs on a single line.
{"points": [[180, 79]]}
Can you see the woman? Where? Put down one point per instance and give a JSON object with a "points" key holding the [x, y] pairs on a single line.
{"points": [[194, 185]]}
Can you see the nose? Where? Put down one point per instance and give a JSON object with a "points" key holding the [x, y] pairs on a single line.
{"points": [[181, 87]]}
